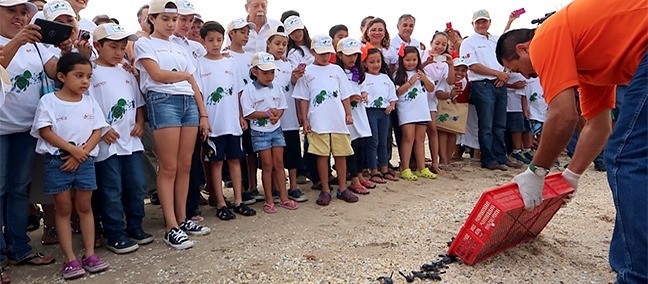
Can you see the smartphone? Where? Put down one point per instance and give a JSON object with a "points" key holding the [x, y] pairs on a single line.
{"points": [[449, 26], [53, 32], [459, 85], [440, 58], [301, 66], [519, 12], [84, 35]]}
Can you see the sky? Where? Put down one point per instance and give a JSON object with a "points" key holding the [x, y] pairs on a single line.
{"points": [[319, 17]]}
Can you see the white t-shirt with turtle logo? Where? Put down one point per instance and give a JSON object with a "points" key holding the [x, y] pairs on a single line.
{"points": [[324, 87], [220, 83], [26, 72], [170, 57], [535, 96], [72, 121], [360, 127], [283, 73], [119, 97], [244, 63], [438, 73], [413, 105], [380, 89], [259, 98]]}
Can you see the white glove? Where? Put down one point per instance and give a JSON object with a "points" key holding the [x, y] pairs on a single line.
{"points": [[572, 179], [530, 188]]}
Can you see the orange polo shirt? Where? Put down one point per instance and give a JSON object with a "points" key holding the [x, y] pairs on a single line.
{"points": [[591, 44]]}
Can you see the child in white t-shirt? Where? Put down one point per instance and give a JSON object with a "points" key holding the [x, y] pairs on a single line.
{"points": [[536, 110], [516, 122], [323, 93], [120, 177], [441, 72], [381, 101], [68, 127], [286, 77], [448, 94], [263, 104], [412, 89], [221, 85], [348, 51], [238, 32], [299, 42]]}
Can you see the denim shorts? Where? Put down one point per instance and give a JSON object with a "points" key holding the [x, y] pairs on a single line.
{"points": [[167, 110], [266, 140], [57, 181], [516, 122]]}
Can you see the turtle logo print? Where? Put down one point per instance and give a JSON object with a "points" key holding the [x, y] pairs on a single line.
{"points": [[261, 122], [534, 97], [118, 110], [412, 95], [377, 103], [218, 95], [23, 81], [447, 117], [323, 96]]}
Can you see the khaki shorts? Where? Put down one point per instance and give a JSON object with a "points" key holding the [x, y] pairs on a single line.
{"points": [[339, 145]]}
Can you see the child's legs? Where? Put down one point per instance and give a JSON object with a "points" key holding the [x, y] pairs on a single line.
{"points": [[361, 153], [419, 146], [63, 212], [516, 138], [450, 144], [352, 163], [292, 156], [407, 141], [252, 164], [196, 180], [341, 169], [280, 174], [443, 146], [373, 114], [185, 154], [216, 170], [237, 184], [83, 206], [323, 172], [527, 140], [384, 124], [266, 173], [433, 139], [134, 192], [167, 141], [108, 197]]}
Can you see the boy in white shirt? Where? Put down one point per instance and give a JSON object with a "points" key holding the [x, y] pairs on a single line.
{"points": [[323, 93], [537, 106], [221, 85], [120, 176], [516, 122]]}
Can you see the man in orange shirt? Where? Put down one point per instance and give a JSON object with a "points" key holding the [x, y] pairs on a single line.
{"points": [[594, 46]]}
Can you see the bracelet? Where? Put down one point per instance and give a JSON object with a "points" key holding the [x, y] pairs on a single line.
{"points": [[204, 116], [268, 113]]}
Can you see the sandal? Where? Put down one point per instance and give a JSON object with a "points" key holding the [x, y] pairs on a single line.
{"points": [[378, 178], [34, 259], [358, 189], [368, 184], [50, 237], [269, 208], [225, 214], [4, 277], [244, 210], [289, 204], [408, 175], [390, 176], [425, 173]]}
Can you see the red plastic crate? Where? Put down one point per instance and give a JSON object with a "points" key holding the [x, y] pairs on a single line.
{"points": [[499, 222]]}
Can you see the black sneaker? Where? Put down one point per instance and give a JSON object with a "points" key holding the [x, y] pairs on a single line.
{"points": [[257, 196], [140, 237], [177, 239], [248, 199], [155, 200], [599, 166], [297, 195], [190, 227], [122, 245]]}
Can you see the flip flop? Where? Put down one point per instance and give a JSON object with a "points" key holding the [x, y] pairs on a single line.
{"points": [[35, 259], [390, 176], [378, 175], [289, 204], [358, 189]]}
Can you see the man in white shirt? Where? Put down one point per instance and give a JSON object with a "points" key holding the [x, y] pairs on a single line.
{"points": [[487, 92], [257, 14], [405, 27]]}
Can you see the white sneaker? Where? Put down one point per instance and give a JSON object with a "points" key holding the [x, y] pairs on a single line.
{"points": [[178, 239], [192, 228]]}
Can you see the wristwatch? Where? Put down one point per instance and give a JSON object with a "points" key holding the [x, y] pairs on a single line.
{"points": [[539, 171]]}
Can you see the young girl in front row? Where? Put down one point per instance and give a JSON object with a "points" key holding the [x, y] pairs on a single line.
{"points": [[68, 127], [413, 112], [348, 51], [263, 104], [381, 101]]}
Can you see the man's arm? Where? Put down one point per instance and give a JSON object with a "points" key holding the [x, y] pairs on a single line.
{"points": [[591, 141]]}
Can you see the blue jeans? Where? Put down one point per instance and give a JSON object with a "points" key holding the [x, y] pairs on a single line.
{"points": [[379, 122], [17, 157], [121, 191], [490, 103], [571, 147], [626, 157]]}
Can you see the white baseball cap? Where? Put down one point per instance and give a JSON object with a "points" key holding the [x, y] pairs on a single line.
{"points": [[239, 24], [349, 46], [322, 44], [264, 61], [158, 7], [57, 8], [460, 61], [186, 8], [31, 8], [112, 31], [278, 30], [292, 24], [480, 14]]}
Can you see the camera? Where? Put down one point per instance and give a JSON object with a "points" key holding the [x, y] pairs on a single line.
{"points": [[541, 20], [84, 35]]}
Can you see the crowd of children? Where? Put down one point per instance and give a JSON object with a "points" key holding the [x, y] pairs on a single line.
{"points": [[211, 104]]}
